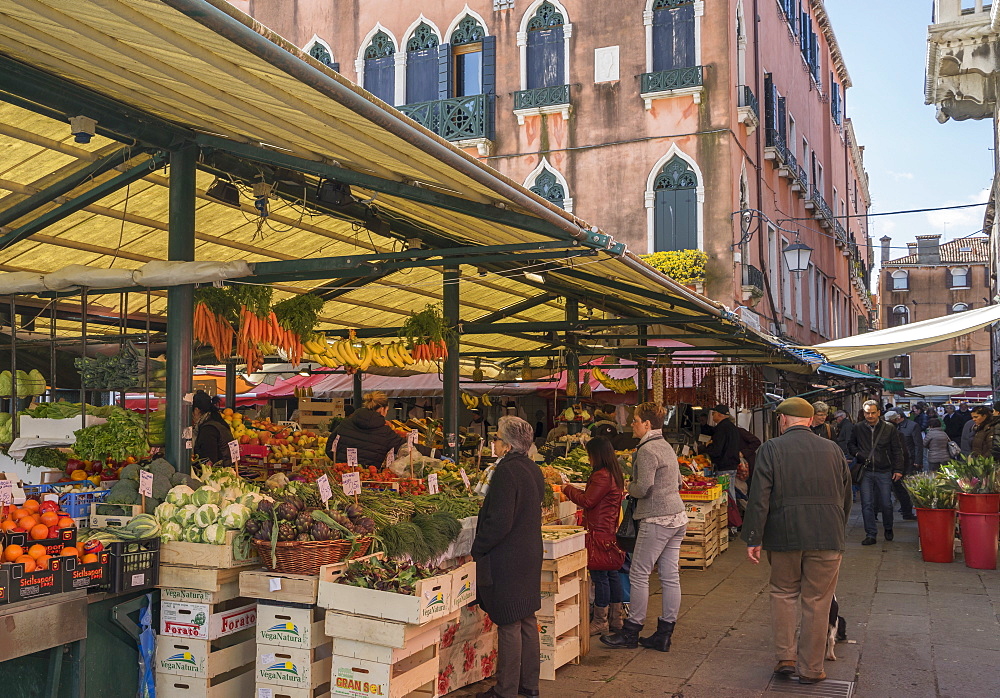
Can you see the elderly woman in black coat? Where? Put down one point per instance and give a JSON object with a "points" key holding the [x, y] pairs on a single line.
{"points": [[508, 555]]}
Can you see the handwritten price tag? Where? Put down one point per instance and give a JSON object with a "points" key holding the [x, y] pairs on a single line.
{"points": [[234, 451], [686, 450], [333, 449], [465, 478], [352, 457], [390, 457], [324, 488], [413, 437], [145, 483], [6, 497], [432, 484], [352, 483], [188, 445]]}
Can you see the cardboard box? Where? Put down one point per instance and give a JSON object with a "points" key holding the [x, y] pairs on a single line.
{"points": [[197, 621], [431, 600], [78, 575], [64, 537], [700, 511], [297, 668], [204, 659], [463, 587], [18, 585], [287, 626]]}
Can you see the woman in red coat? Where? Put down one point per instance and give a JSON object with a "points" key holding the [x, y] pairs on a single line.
{"points": [[601, 503]]}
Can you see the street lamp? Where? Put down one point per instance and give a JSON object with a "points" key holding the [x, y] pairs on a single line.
{"points": [[897, 365], [797, 257]]}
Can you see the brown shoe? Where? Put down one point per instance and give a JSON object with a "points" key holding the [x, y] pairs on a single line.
{"points": [[812, 679], [785, 668]]}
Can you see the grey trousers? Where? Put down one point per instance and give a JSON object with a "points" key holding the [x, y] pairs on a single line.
{"points": [[661, 547], [518, 660]]}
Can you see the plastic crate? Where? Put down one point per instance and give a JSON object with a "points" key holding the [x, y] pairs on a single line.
{"points": [[75, 504], [723, 481], [703, 496], [135, 564]]}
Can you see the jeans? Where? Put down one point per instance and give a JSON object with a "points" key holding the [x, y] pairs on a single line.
{"points": [[661, 547], [623, 578], [518, 660], [607, 587], [876, 491], [905, 504]]}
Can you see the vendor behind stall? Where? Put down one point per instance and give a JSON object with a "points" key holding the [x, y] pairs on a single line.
{"points": [[724, 448], [211, 433], [366, 430]]}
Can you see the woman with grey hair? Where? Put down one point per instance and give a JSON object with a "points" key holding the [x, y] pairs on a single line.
{"points": [[508, 555], [820, 425]]}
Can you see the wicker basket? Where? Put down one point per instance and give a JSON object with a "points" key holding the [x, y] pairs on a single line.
{"points": [[306, 557]]}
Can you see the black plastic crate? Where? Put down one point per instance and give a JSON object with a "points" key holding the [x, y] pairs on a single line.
{"points": [[135, 564]]}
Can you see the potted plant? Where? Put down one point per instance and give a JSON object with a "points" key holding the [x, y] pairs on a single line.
{"points": [[934, 500], [976, 481]]}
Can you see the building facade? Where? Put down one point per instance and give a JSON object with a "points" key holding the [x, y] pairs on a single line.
{"points": [[963, 71], [934, 280], [673, 124]]}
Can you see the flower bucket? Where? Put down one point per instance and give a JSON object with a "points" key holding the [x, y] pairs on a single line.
{"points": [[936, 528], [978, 503], [979, 539]]}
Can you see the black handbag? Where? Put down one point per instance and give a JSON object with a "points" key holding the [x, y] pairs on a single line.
{"points": [[628, 529]]}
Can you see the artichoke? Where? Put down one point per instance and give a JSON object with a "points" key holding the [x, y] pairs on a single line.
{"points": [[252, 527], [303, 537], [353, 511], [286, 511], [364, 526], [265, 506], [286, 531], [320, 531], [303, 522]]}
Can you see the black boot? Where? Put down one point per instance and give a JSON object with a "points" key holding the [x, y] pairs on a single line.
{"points": [[627, 638], [660, 640]]}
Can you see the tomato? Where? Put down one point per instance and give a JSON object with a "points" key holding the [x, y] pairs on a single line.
{"points": [[49, 505]]}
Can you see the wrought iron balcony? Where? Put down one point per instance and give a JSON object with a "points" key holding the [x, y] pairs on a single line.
{"points": [[746, 98], [823, 211], [539, 97], [752, 276], [455, 119], [677, 79], [775, 148], [841, 234]]}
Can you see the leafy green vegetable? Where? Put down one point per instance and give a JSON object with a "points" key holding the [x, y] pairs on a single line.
{"points": [[425, 326], [121, 436], [299, 314], [45, 458]]}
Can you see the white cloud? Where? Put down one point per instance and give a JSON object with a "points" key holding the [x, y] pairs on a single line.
{"points": [[900, 175], [960, 222]]}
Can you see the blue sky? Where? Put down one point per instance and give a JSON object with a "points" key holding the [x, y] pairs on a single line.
{"points": [[912, 160]]}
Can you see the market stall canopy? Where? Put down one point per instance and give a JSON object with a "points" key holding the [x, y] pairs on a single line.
{"points": [[935, 390], [365, 206], [419, 385], [884, 344]]}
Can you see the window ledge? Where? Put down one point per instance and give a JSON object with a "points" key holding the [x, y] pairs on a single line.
{"points": [[678, 82], [564, 109], [960, 288], [483, 145], [695, 92], [746, 116]]}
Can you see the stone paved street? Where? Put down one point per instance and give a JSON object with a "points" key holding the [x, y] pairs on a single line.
{"points": [[915, 630]]}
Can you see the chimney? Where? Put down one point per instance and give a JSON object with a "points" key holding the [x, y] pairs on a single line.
{"points": [[885, 240], [911, 248], [928, 249]]}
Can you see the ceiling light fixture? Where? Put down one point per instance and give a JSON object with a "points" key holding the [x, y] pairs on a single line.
{"points": [[223, 192], [333, 193], [537, 278]]}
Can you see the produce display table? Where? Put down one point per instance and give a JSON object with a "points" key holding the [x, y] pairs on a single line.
{"points": [[41, 624]]}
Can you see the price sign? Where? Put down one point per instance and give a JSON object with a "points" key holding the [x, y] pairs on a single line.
{"points": [[493, 448], [465, 478], [333, 449], [145, 483], [352, 457], [434, 452], [188, 433], [324, 488], [413, 437], [352, 483], [188, 445], [432, 484], [6, 496], [266, 692], [686, 451], [234, 451], [390, 457]]}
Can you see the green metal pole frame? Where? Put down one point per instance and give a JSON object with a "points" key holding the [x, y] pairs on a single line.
{"points": [[642, 380], [358, 389], [180, 304], [450, 310], [572, 364], [231, 383]]}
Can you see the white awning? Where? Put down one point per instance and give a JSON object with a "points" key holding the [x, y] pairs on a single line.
{"points": [[884, 344], [936, 390]]}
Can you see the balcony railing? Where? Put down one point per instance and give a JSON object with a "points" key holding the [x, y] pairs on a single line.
{"points": [[539, 97], [455, 119], [746, 98], [776, 141], [821, 206], [800, 175], [752, 276], [841, 234], [667, 80]]}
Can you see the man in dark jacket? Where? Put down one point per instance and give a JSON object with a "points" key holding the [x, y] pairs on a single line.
{"points": [[954, 420], [799, 503], [844, 428], [913, 459], [367, 431], [724, 448], [877, 447]]}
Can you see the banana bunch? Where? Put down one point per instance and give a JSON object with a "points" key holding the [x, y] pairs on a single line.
{"points": [[470, 401], [617, 385], [486, 400], [344, 353]]}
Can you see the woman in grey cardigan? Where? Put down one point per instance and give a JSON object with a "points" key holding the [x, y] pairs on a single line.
{"points": [[655, 482]]}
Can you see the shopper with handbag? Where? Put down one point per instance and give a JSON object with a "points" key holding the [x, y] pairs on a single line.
{"points": [[601, 502], [662, 521]]}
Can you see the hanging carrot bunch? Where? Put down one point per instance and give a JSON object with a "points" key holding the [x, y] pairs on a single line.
{"points": [[255, 328], [427, 334], [295, 320], [214, 314]]}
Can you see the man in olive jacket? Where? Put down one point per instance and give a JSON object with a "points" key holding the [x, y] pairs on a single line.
{"points": [[797, 511]]}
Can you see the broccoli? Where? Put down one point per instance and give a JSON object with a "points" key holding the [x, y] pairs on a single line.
{"points": [[129, 472], [124, 492], [178, 478], [161, 467], [161, 485]]}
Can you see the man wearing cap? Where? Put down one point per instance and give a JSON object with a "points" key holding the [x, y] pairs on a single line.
{"points": [[879, 450], [799, 502], [913, 459], [724, 448]]}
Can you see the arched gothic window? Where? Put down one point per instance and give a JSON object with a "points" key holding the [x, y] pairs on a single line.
{"points": [[469, 59], [548, 186], [380, 70], [675, 209], [546, 50], [422, 65], [321, 54]]}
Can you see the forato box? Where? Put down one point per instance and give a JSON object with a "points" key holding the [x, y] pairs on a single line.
{"points": [[285, 626], [197, 622]]}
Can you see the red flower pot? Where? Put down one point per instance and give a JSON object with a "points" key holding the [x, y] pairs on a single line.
{"points": [[936, 528], [978, 503], [979, 539]]}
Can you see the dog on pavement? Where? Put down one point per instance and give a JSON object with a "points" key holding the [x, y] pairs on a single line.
{"points": [[838, 630]]}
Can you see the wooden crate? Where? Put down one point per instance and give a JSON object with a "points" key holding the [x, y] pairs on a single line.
{"points": [[562, 570], [186, 592], [570, 590], [409, 677], [235, 683], [267, 690], [219, 584], [566, 651], [279, 587], [205, 555], [565, 623], [318, 413], [699, 556], [375, 631], [290, 626], [206, 659], [701, 533], [294, 667]]}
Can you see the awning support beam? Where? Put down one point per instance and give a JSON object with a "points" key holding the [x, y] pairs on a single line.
{"points": [[519, 307]]}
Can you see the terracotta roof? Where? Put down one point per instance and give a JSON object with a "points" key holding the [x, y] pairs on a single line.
{"points": [[969, 250]]}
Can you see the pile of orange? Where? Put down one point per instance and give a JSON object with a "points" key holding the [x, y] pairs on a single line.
{"points": [[38, 520], [35, 558]]}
